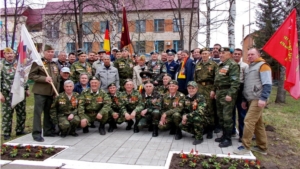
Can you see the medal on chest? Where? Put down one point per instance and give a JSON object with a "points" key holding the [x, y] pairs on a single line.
{"points": [[99, 99], [74, 101]]}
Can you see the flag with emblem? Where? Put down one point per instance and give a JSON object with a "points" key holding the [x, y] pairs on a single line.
{"points": [[125, 38], [106, 43], [283, 46], [27, 55]]}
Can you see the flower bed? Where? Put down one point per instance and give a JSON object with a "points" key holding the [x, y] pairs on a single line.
{"points": [[27, 152], [195, 160]]}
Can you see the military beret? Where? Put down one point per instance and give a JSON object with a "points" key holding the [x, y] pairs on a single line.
{"points": [[145, 74], [101, 51], [7, 50], [94, 78], [48, 47], [204, 49], [167, 74], [171, 52], [173, 82], [80, 52], [127, 80], [112, 84], [192, 51], [148, 81], [192, 83], [153, 52]]}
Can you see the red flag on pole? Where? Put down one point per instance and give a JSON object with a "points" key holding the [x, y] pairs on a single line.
{"points": [[283, 46], [106, 44], [125, 38]]}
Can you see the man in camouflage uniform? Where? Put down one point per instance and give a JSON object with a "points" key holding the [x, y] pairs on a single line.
{"points": [[204, 76], [80, 66], [171, 110], [64, 110], [116, 114], [125, 67], [226, 86], [163, 89], [94, 105], [8, 70], [156, 67], [194, 113], [133, 105], [150, 114]]}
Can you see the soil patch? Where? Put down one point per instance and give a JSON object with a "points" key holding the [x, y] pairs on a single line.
{"points": [[36, 153]]}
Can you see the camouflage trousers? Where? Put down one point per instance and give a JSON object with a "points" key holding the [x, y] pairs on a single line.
{"points": [[224, 109], [92, 116], [122, 119], [205, 91], [150, 118], [194, 125], [172, 120], [7, 114], [65, 124]]}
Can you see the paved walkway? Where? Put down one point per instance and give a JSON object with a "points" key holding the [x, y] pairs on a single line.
{"points": [[126, 147]]}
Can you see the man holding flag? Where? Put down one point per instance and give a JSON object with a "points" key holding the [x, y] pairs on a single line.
{"points": [[8, 70]]}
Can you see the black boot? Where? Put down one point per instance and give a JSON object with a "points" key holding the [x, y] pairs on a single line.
{"points": [[129, 125], [172, 130], [63, 134], [155, 131], [136, 128], [217, 129], [111, 127], [86, 129], [209, 132], [151, 127], [197, 141], [222, 138], [102, 129], [227, 141], [178, 135], [92, 125], [73, 131]]}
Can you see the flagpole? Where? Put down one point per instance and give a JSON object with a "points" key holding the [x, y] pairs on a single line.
{"points": [[50, 82]]}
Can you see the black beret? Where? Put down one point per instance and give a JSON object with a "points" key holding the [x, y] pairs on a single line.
{"points": [[80, 52], [153, 52], [93, 78], [171, 52], [148, 81], [127, 80], [145, 74], [112, 84]]}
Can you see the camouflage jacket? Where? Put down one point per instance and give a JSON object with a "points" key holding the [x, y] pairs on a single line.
{"points": [[63, 106], [156, 69], [7, 76], [205, 71], [77, 68], [90, 102], [152, 102], [174, 104], [195, 106], [228, 74], [125, 68], [133, 101], [117, 104], [162, 90]]}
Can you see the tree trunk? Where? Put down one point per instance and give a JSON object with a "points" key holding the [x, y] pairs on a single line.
{"points": [[208, 23], [231, 23], [191, 25], [281, 93], [15, 24], [5, 24], [80, 32]]}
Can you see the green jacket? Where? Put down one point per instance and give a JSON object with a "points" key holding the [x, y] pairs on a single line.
{"points": [[133, 101], [125, 68], [152, 102], [205, 71], [118, 104], [77, 69], [195, 106], [174, 104]]}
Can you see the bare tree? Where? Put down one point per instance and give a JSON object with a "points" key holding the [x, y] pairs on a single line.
{"points": [[231, 23], [19, 5], [5, 24]]}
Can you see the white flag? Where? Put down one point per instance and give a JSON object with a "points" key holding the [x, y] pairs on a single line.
{"points": [[27, 55]]}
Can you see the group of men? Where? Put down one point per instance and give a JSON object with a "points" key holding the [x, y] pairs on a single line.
{"points": [[197, 93]]}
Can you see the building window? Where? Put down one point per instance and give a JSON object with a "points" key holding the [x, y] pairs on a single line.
{"points": [[176, 24], [52, 29], [140, 26], [71, 28], [87, 46], [70, 47], [140, 47], [159, 25], [87, 27], [119, 27], [102, 26], [177, 45], [159, 46], [101, 45]]}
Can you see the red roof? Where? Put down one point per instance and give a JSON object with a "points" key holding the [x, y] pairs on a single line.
{"points": [[11, 11], [34, 16]]}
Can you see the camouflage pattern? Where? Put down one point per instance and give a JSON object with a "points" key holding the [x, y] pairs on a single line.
{"points": [[173, 107], [195, 110], [153, 106], [61, 108], [125, 69], [204, 76], [157, 69], [117, 106], [162, 90], [133, 102], [78, 68], [6, 78], [227, 82], [90, 104]]}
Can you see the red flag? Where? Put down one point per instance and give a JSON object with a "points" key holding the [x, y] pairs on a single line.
{"points": [[283, 46], [22, 52], [106, 44], [125, 38]]}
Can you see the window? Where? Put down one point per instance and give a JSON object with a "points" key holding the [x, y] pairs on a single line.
{"points": [[177, 45], [119, 27], [140, 26], [176, 24], [70, 47], [140, 47], [87, 46], [71, 28], [87, 27], [159, 25], [102, 26], [52, 29], [159, 46], [101, 45]]}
